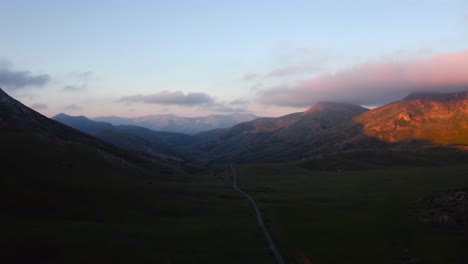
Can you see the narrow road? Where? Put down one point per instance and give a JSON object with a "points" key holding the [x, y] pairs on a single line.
{"points": [[261, 223]]}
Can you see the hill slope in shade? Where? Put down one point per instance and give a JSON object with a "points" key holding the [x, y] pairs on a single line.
{"points": [[440, 119], [14, 116], [173, 123]]}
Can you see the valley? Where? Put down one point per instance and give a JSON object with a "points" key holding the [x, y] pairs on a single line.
{"points": [[334, 184]]}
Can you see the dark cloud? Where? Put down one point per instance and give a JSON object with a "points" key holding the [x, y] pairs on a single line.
{"points": [[170, 98], [228, 109], [14, 80], [375, 83], [39, 106], [72, 107]]}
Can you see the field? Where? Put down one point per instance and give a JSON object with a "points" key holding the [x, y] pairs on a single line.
{"points": [[358, 216], [67, 203]]}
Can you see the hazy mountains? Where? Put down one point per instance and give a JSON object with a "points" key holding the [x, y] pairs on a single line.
{"points": [[172, 123], [135, 138]]}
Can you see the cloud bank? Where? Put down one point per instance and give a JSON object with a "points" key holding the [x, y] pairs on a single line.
{"points": [[170, 98], [14, 80], [374, 83]]}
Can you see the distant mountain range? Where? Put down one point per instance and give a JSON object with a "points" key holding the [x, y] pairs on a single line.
{"points": [[173, 123], [135, 138]]}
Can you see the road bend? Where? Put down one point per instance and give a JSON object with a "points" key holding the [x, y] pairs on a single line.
{"points": [[261, 223]]}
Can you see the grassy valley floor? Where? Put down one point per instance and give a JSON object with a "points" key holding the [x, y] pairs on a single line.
{"points": [[69, 204], [357, 216]]}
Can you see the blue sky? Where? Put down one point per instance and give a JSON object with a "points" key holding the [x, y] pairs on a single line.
{"points": [[133, 58]]}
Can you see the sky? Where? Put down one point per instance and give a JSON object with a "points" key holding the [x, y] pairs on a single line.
{"points": [[195, 58]]}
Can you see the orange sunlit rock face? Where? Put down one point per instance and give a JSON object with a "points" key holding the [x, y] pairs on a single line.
{"points": [[439, 119]]}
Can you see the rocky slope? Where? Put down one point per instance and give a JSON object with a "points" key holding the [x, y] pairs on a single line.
{"points": [[440, 119]]}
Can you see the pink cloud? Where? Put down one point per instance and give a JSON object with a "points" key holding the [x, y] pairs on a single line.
{"points": [[375, 83]]}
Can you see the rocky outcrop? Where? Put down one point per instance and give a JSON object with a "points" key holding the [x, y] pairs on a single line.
{"points": [[435, 118], [448, 208]]}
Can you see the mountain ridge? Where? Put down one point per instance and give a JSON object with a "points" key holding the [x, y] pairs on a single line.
{"points": [[173, 123]]}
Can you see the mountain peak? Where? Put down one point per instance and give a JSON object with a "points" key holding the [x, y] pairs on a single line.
{"points": [[335, 106], [60, 115]]}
